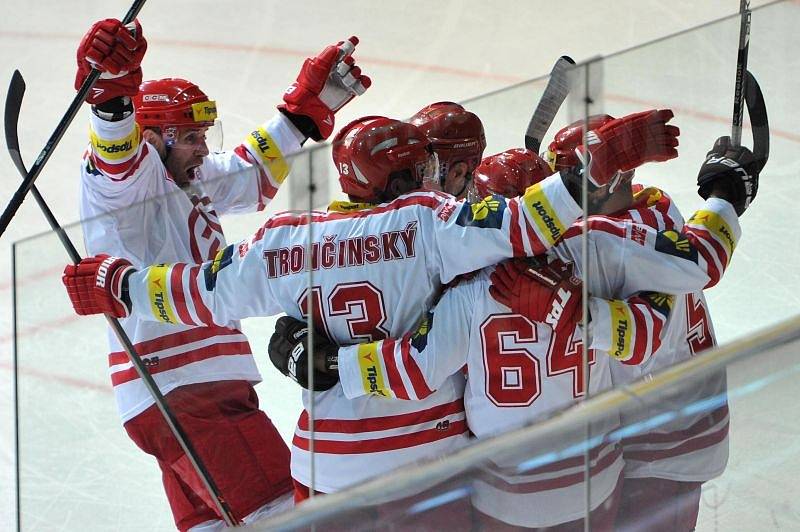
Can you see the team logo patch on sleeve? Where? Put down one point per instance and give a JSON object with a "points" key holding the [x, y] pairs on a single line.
{"points": [[674, 243], [371, 372], [419, 340], [486, 214], [157, 288], [660, 302], [223, 258], [263, 145]]}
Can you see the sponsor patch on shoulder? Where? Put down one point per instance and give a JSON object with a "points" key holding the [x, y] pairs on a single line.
{"points": [[673, 243]]}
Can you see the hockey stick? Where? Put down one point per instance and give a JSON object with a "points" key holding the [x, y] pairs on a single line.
{"points": [[16, 92], [554, 95], [757, 110], [55, 138], [741, 69]]}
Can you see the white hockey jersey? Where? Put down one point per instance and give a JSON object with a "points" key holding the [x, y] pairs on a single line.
{"points": [[376, 269], [133, 209], [520, 372]]}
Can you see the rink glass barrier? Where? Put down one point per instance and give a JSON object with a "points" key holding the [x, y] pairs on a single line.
{"points": [[76, 460]]}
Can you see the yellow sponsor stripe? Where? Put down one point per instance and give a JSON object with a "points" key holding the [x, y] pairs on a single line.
{"points": [[543, 214], [717, 226], [621, 326], [267, 149], [371, 372], [157, 287], [115, 149]]}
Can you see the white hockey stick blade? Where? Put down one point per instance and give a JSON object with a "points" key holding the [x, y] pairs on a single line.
{"points": [[554, 95]]}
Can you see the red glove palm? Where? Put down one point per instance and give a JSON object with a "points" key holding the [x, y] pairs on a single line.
{"points": [[116, 51], [95, 285], [544, 293], [325, 84], [628, 142]]}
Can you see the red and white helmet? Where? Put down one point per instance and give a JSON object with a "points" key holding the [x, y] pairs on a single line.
{"points": [[560, 155], [509, 173], [173, 102], [457, 135], [372, 151]]}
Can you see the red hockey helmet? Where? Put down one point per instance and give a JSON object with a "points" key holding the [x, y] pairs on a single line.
{"points": [[370, 151], [457, 135], [509, 173], [173, 102], [560, 154]]}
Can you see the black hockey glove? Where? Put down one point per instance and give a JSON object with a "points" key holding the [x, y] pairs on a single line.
{"points": [[730, 173], [288, 352]]}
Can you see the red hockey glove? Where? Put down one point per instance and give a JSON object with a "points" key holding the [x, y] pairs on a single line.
{"points": [[116, 51], [628, 142], [325, 84], [95, 285], [545, 293]]}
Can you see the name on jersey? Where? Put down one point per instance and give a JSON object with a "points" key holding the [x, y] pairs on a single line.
{"points": [[333, 252]]}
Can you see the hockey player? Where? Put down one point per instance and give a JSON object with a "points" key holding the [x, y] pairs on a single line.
{"points": [[525, 365], [458, 141], [665, 468], [152, 192], [378, 262]]}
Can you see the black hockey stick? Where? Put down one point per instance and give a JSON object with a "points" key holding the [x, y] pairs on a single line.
{"points": [[55, 138], [757, 110], [741, 69], [16, 93], [554, 95]]}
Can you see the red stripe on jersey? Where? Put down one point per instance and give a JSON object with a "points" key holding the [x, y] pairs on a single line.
{"points": [[640, 332], [285, 220], [395, 381], [705, 236], [176, 289], [689, 446], [649, 218], [199, 305], [265, 188], [663, 206], [414, 373], [700, 426], [596, 224], [371, 424], [560, 465], [552, 483], [126, 169], [171, 340], [159, 365], [388, 443], [516, 232], [711, 266]]}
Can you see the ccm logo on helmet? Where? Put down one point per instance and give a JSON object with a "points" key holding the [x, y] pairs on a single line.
{"points": [[155, 98]]}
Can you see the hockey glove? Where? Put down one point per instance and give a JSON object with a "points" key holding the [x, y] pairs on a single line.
{"points": [[627, 143], [729, 173], [117, 52], [97, 285], [544, 293], [288, 352], [325, 84]]}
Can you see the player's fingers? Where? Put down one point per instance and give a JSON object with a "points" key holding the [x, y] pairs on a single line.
{"points": [[499, 297], [343, 67], [361, 86], [327, 57], [351, 77], [347, 47]]}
